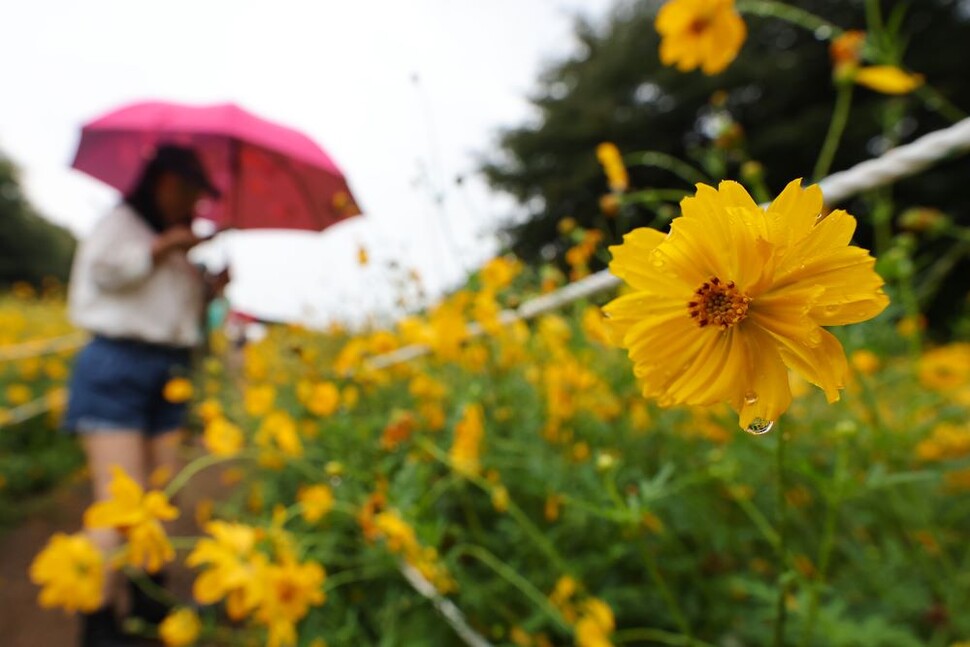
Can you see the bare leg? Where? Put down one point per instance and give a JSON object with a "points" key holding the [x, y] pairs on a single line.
{"points": [[126, 449], [163, 452]]}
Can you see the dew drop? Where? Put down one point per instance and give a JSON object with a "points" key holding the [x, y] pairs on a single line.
{"points": [[823, 33], [760, 426], [750, 397]]}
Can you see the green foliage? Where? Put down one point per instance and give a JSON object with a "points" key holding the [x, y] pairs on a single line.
{"points": [[682, 506], [31, 248]]}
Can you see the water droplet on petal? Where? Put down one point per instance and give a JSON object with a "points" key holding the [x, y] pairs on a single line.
{"points": [[760, 426], [750, 397]]}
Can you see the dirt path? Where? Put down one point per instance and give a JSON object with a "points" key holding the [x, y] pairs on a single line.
{"points": [[22, 622]]}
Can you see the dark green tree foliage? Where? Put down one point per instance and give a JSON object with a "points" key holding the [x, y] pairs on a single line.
{"points": [[31, 248], [779, 90]]}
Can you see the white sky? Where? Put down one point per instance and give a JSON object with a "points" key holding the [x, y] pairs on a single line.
{"points": [[342, 72]]}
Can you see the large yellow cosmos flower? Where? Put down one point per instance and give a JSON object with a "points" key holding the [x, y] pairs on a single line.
{"points": [[735, 295], [700, 33]]}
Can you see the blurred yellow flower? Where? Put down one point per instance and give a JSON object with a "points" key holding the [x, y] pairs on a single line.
{"points": [[222, 438], [609, 157], [137, 514], [70, 572], [18, 394], [499, 272], [362, 257], [290, 589], [595, 624], [324, 399], [466, 447], [865, 361], [258, 399], [180, 628], [735, 295], [178, 390], [278, 432], [316, 501], [946, 368], [232, 566], [700, 33]]}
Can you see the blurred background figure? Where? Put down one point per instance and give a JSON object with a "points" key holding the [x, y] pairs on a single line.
{"points": [[134, 289]]}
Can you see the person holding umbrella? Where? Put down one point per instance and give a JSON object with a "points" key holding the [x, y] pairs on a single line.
{"points": [[133, 288]]}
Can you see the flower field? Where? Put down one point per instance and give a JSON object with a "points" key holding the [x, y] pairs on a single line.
{"points": [[33, 455], [524, 476]]}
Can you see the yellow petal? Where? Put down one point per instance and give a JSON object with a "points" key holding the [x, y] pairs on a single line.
{"points": [[793, 213], [823, 365], [765, 393], [888, 79]]}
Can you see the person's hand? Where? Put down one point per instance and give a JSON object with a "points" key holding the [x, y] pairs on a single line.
{"points": [[179, 238]]}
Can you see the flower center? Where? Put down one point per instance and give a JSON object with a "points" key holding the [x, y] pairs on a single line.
{"points": [[718, 304], [698, 26]]}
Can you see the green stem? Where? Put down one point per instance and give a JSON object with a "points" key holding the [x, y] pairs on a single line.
{"points": [[780, 610], [653, 196], [672, 605], [934, 100], [874, 22], [541, 541], [840, 117], [512, 577], [658, 636], [790, 14], [828, 541], [197, 466], [678, 167]]}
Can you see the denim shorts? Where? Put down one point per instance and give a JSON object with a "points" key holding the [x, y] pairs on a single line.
{"points": [[118, 383]]}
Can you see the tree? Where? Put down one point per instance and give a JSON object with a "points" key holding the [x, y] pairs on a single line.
{"points": [[31, 248]]}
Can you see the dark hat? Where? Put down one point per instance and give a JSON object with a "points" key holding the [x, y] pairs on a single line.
{"points": [[185, 163]]}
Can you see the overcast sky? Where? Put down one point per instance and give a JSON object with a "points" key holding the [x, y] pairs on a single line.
{"points": [[404, 95]]}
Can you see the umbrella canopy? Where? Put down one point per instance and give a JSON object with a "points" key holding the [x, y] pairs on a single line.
{"points": [[270, 176]]}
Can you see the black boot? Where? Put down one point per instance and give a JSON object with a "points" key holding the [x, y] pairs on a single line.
{"points": [[100, 629], [147, 606]]}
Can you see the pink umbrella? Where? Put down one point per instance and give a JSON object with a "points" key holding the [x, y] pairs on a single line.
{"points": [[270, 176]]}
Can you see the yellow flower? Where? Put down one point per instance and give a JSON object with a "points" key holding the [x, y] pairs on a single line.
{"points": [[258, 399], [177, 390], [700, 33], [70, 572], [468, 439], [317, 500], [18, 394], [137, 514], [232, 567], [278, 431], [180, 628], [362, 257], [323, 400], [595, 624], [499, 272], [290, 588], [946, 368], [609, 157], [865, 361], [222, 438], [888, 79], [735, 295]]}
